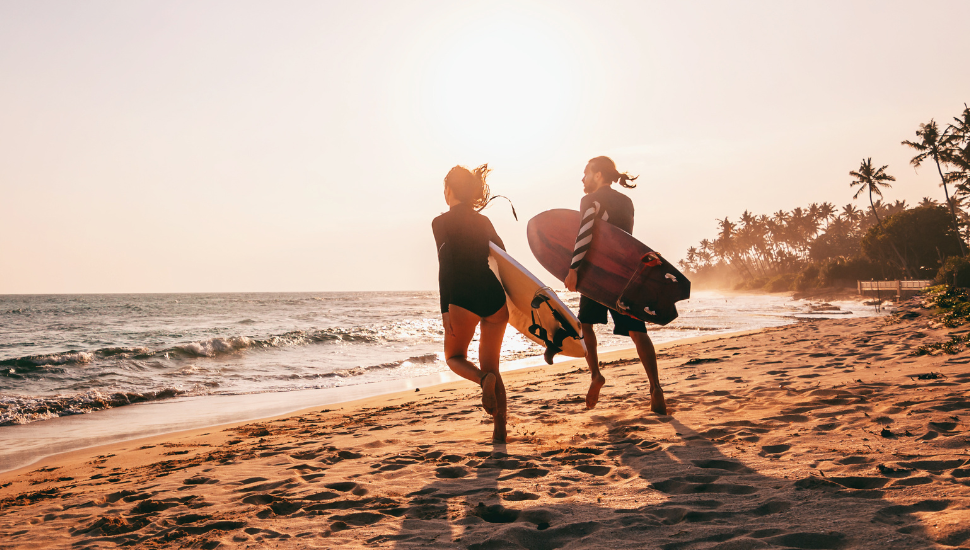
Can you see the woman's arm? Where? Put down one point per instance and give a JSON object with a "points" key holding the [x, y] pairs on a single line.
{"points": [[494, 235], [445, 261]]}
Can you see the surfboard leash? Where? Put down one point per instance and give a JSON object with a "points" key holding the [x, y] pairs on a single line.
{"points": [[493, 197]]}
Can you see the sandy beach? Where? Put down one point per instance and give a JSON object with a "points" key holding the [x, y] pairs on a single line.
{"points": [[822, 434]]}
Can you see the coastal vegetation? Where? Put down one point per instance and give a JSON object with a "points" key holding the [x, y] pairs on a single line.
{"points": [[822, 246]]}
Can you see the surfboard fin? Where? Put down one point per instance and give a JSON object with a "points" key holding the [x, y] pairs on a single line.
{"points": [[559, 334], [550, 354]]}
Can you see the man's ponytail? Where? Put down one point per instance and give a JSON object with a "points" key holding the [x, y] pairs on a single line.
{"points": [[607, 167]]}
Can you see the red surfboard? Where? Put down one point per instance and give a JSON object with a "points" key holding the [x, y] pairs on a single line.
{"points": [[618, 271]]}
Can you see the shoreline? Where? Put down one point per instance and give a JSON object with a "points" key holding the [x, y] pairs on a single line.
{"points": [[33, 444], [827, 433]]}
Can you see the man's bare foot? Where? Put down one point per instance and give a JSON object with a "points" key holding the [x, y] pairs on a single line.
{"points": [[489, 402], [657, 403], [593, 395]]}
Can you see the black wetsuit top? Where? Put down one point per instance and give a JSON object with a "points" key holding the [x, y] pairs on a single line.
{"points": [[464, 279], [607, 204]]}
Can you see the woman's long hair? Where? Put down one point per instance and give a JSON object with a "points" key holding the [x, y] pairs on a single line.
{"points": [[471, 187], [607, 167]]}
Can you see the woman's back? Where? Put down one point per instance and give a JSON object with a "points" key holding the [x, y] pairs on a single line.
{"points": [[462, 236]]}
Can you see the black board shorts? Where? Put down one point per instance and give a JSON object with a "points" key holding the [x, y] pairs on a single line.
{"points": [[594, 313]]}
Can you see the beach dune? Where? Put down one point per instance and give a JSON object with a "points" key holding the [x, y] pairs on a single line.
{"points": [[823, 434]]}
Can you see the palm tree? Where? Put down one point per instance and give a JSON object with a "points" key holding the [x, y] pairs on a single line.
{"points": [[927, 202], [961, 130], [960, 178], [851, 213], [869, 179], [897, 206], [826, 212], [960, 159], [939, 147]]}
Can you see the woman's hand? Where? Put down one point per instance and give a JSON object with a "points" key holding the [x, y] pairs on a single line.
{"points": [[446, 323], [571, 280]]}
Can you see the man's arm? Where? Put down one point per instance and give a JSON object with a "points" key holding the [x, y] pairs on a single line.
{"points": [[571, 280], [583, 239]]}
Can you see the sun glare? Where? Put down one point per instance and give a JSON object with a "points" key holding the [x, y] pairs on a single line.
{"points": [[503, 86]]}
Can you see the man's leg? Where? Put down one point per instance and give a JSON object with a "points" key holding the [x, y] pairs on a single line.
{"points": [[648, 356], [590, 314], [593, 360]]}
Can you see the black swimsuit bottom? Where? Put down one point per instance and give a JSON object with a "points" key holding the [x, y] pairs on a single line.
{"points": [[464, 278]]}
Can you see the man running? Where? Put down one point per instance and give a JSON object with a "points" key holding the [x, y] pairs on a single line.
{"points": [[606, 203]]}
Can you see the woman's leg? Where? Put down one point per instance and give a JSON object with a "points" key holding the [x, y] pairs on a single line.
{"points": [[463, 323], [489, 352]]}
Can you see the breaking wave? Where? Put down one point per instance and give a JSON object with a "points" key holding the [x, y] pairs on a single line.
{"points": [[213, 347], [26, 409]]}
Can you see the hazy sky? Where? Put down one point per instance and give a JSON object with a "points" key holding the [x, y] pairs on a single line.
{"points": [[300, 146]]}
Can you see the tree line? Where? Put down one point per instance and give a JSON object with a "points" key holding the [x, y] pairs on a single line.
{"points": [[822, 245]]}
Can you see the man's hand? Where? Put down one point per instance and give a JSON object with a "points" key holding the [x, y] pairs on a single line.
{"points": [[571, 280]]}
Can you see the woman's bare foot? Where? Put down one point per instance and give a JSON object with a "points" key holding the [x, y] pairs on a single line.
{"points": [[499, 434], [657, 403], [593, 395], [489, 402]]}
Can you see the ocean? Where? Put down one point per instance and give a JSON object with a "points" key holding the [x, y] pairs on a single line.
{"points": [[63, 355]]}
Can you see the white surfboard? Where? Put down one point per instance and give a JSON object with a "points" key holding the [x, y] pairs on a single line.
{"points": [[550, 321]]}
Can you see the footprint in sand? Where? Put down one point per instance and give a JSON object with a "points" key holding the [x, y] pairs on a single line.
{"points": [[280, 507], [819, 541], [344, 486], [722, 465], [943, 427], [700, 484], [527, 473], [594, 469], [191, 518], [516, 496], [324, 495], [149, 506], [199, 480], [522, 536], [394, 464], [900, 514], [265, 487], [774, 449], [357, 519], [495, 513], [858, 482], [851, 460], [912, 481], [451, 472], [935, 466]]}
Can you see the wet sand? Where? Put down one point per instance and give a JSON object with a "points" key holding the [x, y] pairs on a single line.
{"points": [[823, 434]]}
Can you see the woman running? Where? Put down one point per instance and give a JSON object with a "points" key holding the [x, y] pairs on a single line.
{"points": [[470, 292]]}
